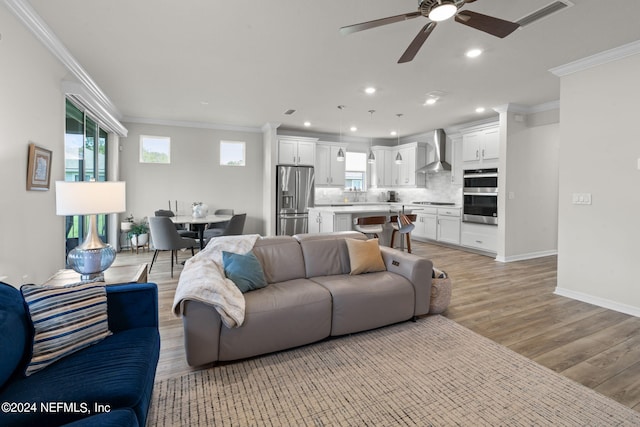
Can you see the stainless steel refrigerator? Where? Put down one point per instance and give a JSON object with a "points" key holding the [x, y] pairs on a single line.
{"points": [[295, 195]]}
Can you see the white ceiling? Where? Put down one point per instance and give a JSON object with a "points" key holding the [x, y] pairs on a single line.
{"points": [[250, 61]]}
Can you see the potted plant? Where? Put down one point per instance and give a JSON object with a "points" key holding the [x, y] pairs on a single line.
{"points": [[139, 233]]}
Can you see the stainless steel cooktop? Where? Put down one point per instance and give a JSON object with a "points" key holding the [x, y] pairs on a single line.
{"points": [[434, 203]]}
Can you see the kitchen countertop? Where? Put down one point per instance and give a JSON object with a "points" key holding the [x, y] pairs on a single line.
{"points": [[358, 208], [354, 208]]}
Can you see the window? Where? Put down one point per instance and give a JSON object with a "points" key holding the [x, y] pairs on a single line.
{"points": [[355, 171], [155, 149], [85, 159], [232, 153]]}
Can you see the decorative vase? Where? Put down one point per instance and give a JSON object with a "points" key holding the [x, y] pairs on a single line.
{"points": [[200, 210]]}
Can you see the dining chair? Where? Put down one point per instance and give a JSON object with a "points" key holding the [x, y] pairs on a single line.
{"points": [[407, 231], [370, 224], [182, 231], [165, 237], [235, 228], [220, 224]]}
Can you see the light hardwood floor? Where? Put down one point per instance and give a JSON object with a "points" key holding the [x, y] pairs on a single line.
{"points": [[510, 303]]}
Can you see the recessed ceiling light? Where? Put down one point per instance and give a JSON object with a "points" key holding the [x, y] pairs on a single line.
{"points": [[370, 90], [473, 53], [307, 124], [480, 110], [353, 128], [430, 101], [394, 133]]}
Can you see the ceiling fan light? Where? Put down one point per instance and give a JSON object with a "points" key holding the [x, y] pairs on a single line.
{"points": [[443, 12]]}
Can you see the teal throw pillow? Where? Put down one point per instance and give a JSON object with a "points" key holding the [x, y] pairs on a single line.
{"points": [[244, 270]]}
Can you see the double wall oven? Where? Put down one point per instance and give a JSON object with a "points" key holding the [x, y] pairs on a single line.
{"points": [[480, 196]]}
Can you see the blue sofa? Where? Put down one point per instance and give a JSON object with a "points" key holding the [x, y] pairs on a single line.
{"points": [[107, 384]]}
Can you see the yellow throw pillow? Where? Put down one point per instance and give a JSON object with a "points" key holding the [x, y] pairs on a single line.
{"points": [[365, 256]]}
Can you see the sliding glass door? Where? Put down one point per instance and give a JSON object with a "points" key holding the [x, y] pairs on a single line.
{"points": [[85, 159]]}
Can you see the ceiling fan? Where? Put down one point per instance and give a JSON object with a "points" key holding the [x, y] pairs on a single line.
{"points": [[436, 11]]}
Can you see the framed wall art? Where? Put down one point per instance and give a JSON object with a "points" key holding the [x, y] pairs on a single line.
{"points": [[38, 168]]}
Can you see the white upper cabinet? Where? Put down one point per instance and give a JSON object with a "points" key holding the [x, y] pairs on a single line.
{"points": [[456, 159], [296, 151], [380, 172], [329, 171], [385, 172], [414, 156], [481, 147]]}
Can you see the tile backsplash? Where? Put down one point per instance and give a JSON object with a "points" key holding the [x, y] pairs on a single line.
{"points": [[438, 189]]}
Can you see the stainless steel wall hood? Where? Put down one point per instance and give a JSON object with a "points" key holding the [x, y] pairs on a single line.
{"points": [[439, 164]]}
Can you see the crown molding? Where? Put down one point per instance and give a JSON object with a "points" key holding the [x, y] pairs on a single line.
{"points": [[188, 124], [28, 16], [525, 109], [79, 94], [601, 58], [270, 126]]}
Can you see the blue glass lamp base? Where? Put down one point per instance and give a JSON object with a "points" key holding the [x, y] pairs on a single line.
{"points": [[91, 263]]}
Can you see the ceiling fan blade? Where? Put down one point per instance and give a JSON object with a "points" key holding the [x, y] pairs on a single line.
{"points": [[494, 26], [417, 43], [378, 22]]}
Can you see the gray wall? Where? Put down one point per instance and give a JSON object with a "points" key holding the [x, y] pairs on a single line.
{"points": [[528, 196], [599, 152], [32, 110], [195, 174]]}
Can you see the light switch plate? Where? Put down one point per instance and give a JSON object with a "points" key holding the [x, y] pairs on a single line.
{"points": [[581, 198]]}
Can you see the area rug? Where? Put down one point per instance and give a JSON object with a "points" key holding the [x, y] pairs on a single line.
{"points": [[433, 372]]}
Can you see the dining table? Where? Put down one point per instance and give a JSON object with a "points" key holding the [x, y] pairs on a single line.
{"points": [[200, 223]]}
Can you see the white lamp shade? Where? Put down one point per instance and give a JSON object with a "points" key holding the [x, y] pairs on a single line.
{"points": [[90, 197]]}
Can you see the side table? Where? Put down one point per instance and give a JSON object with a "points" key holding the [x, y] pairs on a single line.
{"points": [[112, 275]]}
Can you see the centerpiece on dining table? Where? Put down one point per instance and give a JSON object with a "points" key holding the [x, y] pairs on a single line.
{"points": [[199, 210]]}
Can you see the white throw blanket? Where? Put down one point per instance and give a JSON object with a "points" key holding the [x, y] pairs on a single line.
{"points": [[203, 279]]}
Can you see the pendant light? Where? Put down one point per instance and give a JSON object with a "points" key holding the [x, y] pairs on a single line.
{"points": [[340, 156], [398, 156], [372, 158]]}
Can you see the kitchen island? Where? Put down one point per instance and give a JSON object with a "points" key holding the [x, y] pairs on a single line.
{"points": [[433, 223], [341, 217]]}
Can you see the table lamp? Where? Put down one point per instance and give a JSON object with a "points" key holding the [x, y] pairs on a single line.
{"points": [[93, 256]]}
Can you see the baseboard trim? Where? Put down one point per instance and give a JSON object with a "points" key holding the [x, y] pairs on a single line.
{"points": [[530, 255], [600, 302]]}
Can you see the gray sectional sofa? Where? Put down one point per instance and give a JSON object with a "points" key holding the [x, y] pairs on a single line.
{"points": [[310, 296]]}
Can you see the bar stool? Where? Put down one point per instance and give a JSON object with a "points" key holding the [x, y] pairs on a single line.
{"points": [[370, 224], [396, 229]]}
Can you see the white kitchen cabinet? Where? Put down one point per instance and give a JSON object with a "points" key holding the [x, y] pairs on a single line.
{"points": [[449, 225], [414, 156], [386, 173], [342, 222], [314, 221], [296, 151], [440, 224], [426, 225], [320, 221], [329, 171], [325, 221], [456, 160], [380, 172], [481, 147], [479, 236]]}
